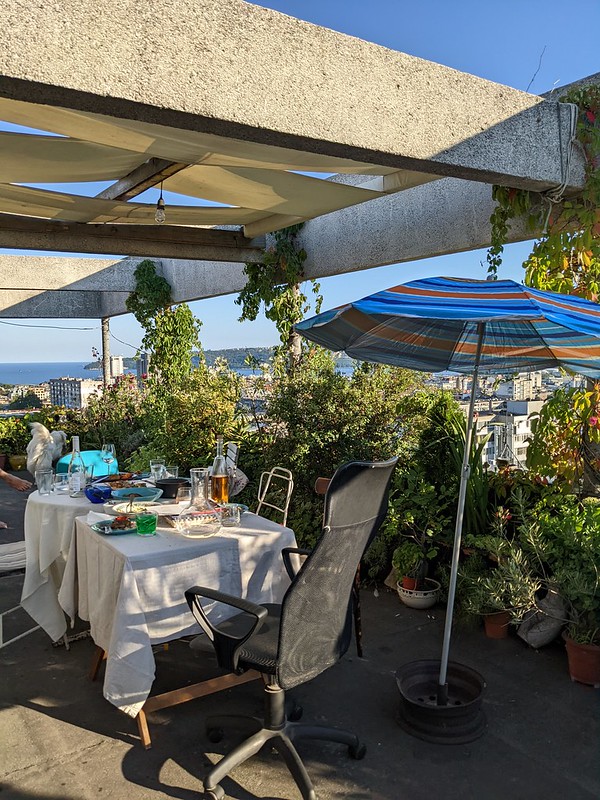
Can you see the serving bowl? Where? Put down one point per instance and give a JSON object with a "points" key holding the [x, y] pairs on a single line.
{"points": [[97, 494], [169, 486], [147, 493]]}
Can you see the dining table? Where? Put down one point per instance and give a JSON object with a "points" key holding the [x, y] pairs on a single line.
{"points": [[130, 588], [49, 526]]}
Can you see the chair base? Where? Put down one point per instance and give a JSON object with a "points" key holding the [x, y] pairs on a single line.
{"points": [[280, 734]]}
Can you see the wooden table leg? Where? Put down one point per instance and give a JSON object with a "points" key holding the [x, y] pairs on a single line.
{"points": [[97, 659], [142, 723], [183, 695]]}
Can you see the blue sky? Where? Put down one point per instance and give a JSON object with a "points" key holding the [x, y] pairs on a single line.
{"points": [[501, 42]]}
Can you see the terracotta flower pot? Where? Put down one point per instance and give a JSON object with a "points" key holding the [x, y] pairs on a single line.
{"points": [[409, 583], [17, 463], [584, 662], [496, 624]]}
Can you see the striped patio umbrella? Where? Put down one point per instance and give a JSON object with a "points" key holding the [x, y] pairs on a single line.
{"points": [[432, 325], [464, 326]]}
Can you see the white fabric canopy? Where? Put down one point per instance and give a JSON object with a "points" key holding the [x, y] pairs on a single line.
{"points": [[175, 144], [278, 192], [54, 159], [259, 182], [58, 205]]}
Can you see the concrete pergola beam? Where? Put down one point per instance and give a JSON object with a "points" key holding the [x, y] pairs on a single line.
{"points": [[82, 288], [447, 216], [240, 71]]}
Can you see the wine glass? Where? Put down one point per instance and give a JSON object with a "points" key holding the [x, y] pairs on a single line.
{"points": [[108, 453]]}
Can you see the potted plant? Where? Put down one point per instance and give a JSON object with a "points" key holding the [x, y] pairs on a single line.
{"points": [[14, 437], [407, 561], [411, 561], [567, 539], [504, 593]]}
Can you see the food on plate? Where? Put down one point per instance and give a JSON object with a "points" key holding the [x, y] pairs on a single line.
{"points": [[132, 508], [118, 476], [121, 523], [120, 484]]}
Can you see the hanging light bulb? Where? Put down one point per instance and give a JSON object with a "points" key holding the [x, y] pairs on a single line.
{"points": [[159, 214]]}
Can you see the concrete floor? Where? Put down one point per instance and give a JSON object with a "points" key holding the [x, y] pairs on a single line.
{"points": [[60, 740]]}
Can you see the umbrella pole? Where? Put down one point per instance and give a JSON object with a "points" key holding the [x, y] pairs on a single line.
{"points": [[442, 692]]}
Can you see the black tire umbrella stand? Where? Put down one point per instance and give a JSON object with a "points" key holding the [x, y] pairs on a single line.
{"points": [[459, 720]]}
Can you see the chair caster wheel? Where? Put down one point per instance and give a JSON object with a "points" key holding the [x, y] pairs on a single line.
{"points": [[214, 735], [357, 752], [216, 793], [295, 713]]}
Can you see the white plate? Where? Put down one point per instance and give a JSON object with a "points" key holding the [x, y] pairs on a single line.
{"points": [[122, 507]]}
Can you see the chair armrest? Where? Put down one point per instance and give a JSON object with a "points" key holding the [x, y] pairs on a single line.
{"points": [[227, 647], [286, 554]]}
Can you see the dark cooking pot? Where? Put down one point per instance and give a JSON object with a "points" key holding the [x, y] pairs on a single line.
{"points": [[169, 486]]}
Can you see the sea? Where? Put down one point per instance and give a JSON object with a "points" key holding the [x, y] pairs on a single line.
{"points": [[33, 373]]}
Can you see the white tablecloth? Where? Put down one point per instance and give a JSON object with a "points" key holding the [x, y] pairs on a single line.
{"points": [[131, 589], [49, 526]]}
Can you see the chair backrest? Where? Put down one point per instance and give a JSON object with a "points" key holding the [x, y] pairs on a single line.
{"points": [[90, 457], [275, 490], [232, 451], [316, 624]]}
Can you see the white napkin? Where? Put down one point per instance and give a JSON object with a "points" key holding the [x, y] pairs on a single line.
{"points": [[94, 516]]}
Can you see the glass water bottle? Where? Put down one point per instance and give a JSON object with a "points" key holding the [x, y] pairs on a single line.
{"points": [[202, 517], [76, 470], [219, 479]]}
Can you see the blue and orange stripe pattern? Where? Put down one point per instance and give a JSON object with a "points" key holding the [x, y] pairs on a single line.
{"points": [[431, 325]]}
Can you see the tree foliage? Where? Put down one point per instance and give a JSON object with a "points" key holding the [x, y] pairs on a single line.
{"points": [[275, 284]]}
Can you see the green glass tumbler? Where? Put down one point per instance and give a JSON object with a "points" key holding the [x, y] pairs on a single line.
{"points": [[146, 523]]}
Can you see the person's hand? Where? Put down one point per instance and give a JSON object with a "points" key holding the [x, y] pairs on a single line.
{"points": [[16, 483]]}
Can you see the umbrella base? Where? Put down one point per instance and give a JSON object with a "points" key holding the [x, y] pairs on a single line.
{"points": [[461, 720]]}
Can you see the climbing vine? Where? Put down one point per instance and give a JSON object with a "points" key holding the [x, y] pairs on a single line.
{"points": [[566, 258], [275, 285], [171, 332]]}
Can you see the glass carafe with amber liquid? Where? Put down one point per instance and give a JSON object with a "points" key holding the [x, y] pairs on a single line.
{"points": [[202, 517], [219, 479]]}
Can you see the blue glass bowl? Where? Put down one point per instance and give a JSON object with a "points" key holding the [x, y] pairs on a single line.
{"points": [[97, 494], [147, 493]]}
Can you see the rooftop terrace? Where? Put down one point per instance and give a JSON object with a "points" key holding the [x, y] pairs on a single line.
{"points": [[62, 741]]}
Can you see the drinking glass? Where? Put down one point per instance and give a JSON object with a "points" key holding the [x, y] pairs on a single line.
{"points": [[157, 469], [146, 523], [231, 515], [89, 474], [61, 483], [171, 472], [108, 453], [44, 479], [184, 495]]}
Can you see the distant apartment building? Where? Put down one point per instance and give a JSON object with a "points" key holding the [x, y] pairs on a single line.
{"points": [[142, 365], [512, 430], [72, 392], [116, 366], [41, 391], [524, 386]]}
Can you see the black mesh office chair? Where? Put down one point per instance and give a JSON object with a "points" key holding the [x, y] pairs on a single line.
{"points": [[310, 631]]}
